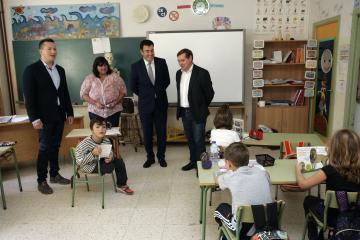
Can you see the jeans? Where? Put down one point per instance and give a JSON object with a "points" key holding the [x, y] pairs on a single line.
{"points": [[195, 133], [49, 143]]}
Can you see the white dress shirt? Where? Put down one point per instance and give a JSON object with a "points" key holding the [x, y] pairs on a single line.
{"points": [[184, 87], [55, 77]]}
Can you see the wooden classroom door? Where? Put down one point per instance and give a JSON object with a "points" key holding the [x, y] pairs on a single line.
{"points": [[326, 35]]}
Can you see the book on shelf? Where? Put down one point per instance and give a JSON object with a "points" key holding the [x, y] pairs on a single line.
{"points": [[297, 98], [287, 56]]}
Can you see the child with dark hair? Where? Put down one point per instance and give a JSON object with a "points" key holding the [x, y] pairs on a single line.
{"points": [[88, 150], [223, 134], [248, 185]]}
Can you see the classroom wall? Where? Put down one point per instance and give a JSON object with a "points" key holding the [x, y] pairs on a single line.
{"points": [[322, 10], [241, 14]]}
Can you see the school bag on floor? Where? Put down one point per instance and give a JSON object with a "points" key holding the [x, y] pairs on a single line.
{"points": [[266, 224], [348, 221]]}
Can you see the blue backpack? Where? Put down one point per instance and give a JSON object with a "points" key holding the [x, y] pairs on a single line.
{"points": [[348, 221]]}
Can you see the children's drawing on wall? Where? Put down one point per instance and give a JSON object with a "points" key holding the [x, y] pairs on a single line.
{"points": [[325, 63], [283, 18], [65, 21]]}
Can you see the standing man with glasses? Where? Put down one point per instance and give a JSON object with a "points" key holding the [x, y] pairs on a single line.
{"points": [[194, 94], [47, 104], [149, 80]]}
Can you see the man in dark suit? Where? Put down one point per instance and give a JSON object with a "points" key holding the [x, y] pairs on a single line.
{"points": [[150, 78], [47, 104], [194, 94]]}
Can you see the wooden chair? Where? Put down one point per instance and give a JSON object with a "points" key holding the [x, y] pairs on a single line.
{"points": [[76, 178], [244, 215], [330, 202], [6, 153]]}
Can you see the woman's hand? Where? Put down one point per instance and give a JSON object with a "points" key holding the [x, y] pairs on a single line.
{"points": [[99, 105]]}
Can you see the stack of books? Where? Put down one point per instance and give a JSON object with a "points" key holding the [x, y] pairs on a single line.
{"points": [[298, 98]]}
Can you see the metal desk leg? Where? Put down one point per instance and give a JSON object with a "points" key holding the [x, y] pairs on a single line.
{"points": [[276, 192], [2, 192], [201, 202], [17, 169], [203, 216]]}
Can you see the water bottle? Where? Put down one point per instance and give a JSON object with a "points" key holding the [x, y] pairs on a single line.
{"points": [[214, 153]]}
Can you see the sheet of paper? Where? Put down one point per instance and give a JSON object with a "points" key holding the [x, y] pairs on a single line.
{"points": [[113, 131], [101, 45], [17, 119], [312, 157], [105, 150], [5, 119]]}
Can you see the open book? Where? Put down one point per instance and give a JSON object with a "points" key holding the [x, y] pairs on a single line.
{"points": [[313, 157]]}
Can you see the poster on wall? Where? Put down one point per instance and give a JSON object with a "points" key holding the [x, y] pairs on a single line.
{"points": [[323, 86], [66, 21], [289, 18]]}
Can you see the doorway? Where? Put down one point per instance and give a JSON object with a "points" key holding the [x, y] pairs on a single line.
{"points": [[326, 34], [352, 101]]}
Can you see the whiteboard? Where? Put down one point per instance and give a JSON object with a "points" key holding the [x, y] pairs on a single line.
{"points": [[220, 52]]}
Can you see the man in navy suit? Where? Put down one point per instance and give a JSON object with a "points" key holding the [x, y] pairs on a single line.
{"points": [[149, 80], [194, 94], [47, 104]]}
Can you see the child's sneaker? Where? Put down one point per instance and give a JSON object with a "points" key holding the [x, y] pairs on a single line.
{"points": [[125, 189]]}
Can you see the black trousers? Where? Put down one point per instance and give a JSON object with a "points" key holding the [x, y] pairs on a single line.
{"points": [[223, 213], [148, 120], [120, 170], [49, 143], [114, 119]]}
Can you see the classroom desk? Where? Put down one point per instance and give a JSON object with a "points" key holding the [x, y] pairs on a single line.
{"points": [[283, 172], [274, 139], [27, 137], [5, 153], [113, 133]]}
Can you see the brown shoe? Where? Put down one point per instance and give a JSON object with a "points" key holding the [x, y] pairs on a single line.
{"points": [[60, 180], [44, 188]]}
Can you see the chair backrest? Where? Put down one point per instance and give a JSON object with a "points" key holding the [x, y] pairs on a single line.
{"points": [[331, 202], [244, 215], [73, 158]]}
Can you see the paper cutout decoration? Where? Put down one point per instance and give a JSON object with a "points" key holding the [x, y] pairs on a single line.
{"points": [[256, 93], [310, 74], [200, 7], [309, 92], [309, 84], [257, 53], [161, 12], [258, 83], [141, 14], [259, 44], [258, 64], [221, 23], [174, 15]]}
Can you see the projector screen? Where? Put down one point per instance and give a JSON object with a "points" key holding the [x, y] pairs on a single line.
{"points": [[220, 52]]}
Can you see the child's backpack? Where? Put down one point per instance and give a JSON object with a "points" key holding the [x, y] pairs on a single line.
{"points": [[266, 224], [348, 221]]}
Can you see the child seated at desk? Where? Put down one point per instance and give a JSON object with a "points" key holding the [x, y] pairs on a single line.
{"points": [[223, 134], [342, 174], [89, 149], [249, 185]]}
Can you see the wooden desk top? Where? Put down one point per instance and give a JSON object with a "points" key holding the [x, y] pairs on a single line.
{"points": [[283, 172], [274, 139], [85, 132]]}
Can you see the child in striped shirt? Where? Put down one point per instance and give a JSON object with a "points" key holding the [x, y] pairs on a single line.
{"points": [[89, 149]]}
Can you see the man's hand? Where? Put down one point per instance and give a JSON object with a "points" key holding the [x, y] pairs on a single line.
{"points": [[70, 119], [96, 151], [37, 124]]}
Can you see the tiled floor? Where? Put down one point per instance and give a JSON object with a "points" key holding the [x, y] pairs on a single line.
{"points": [[165, 205]]}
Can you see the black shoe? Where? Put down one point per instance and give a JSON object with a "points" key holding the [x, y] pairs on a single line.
{"points": [[44, 188], [188, 167], [148, 163], [162, 163], [60, 180]]}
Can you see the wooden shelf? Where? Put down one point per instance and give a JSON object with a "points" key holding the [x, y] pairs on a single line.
{"points": [[283, 64], [292, 107], [283, 85], [285, 41]]}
